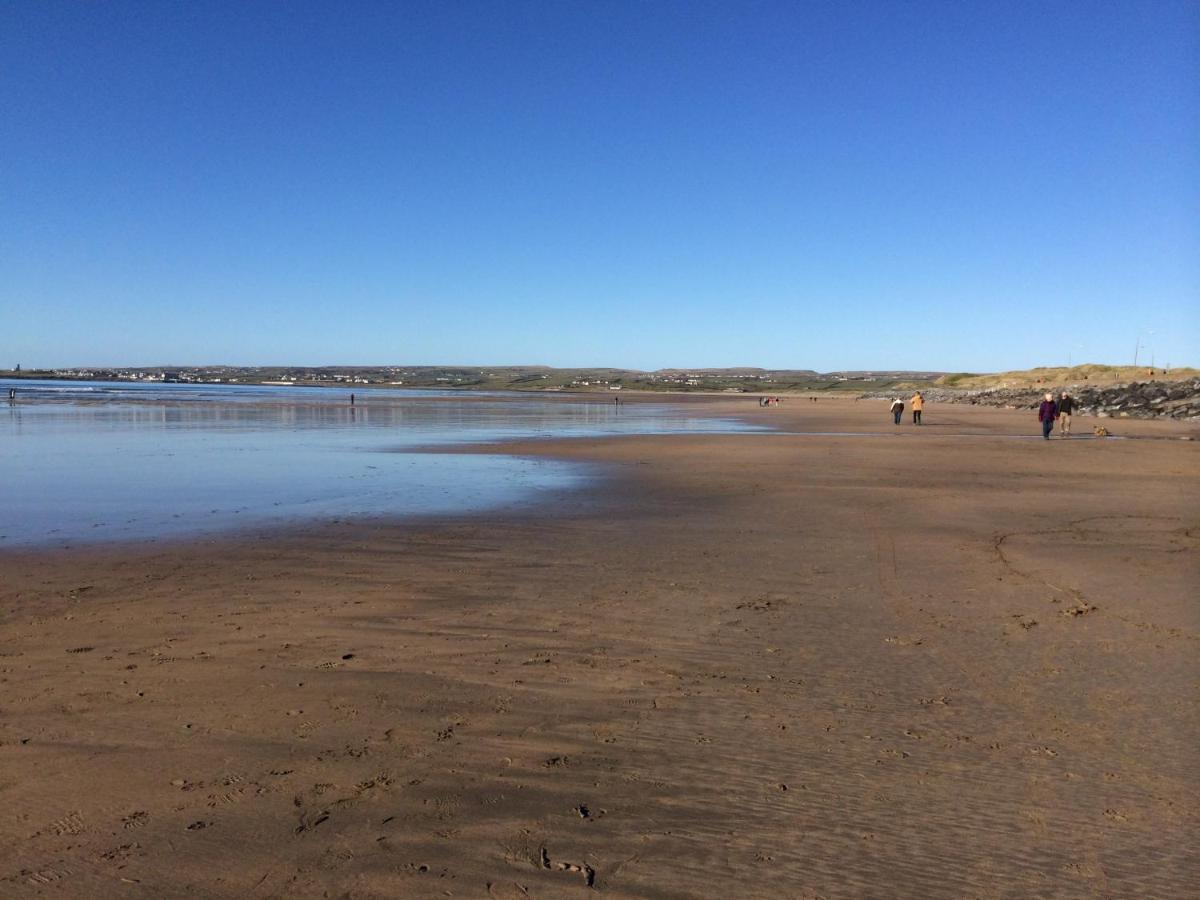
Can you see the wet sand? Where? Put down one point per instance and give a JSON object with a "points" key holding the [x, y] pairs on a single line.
{"points": [[940, 661]]}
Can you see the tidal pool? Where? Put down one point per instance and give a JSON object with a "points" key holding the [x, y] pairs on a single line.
{"points": [[88, 461]]}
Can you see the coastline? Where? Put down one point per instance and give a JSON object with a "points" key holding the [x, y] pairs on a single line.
{"points": [[784, 665]]}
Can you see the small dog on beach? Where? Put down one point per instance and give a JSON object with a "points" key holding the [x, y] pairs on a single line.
{"points": [[1099, 431]]}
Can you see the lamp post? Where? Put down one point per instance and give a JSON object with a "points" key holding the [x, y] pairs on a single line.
{"points": [[1138, 346]]}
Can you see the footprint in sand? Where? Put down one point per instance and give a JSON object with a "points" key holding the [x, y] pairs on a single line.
{"points": [[45, 876], [135, 819], [70, 824], [588, 873]]}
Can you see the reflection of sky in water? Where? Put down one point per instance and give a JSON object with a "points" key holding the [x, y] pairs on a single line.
{"points": [[146, 462]]}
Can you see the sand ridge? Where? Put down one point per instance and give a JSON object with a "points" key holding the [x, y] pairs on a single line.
{"points": [[938, 662]]}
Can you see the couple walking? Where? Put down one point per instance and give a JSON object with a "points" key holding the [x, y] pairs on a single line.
{"points": [[918, 406], [1059, 410]]}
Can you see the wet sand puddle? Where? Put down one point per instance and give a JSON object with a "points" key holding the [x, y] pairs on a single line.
{"points": [[148, 462]]}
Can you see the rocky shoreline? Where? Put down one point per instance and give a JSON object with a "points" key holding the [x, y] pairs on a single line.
{"points": [[1135, 400]]}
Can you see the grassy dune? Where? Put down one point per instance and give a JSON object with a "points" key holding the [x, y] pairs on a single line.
{"points": [[1091, 374]]}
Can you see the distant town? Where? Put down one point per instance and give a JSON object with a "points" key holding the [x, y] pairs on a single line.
{"points": [[495, 378]]}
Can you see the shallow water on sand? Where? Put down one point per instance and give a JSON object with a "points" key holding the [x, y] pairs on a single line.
{"points": [[88, 461]]}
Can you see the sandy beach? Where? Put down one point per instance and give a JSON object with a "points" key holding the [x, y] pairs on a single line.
{"points": [[945, 661]]}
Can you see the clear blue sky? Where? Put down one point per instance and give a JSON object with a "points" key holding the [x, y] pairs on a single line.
{"points": [[959, 186]]}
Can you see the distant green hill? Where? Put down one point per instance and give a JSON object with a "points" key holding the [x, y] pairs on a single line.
{"points": [[674, 380]]}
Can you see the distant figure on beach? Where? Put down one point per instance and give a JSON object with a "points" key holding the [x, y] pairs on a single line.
{"points": [[1047, 413], [12, 394], [918, 406], [351, 399], [897, 409], [1066, 406], [616, 401]]}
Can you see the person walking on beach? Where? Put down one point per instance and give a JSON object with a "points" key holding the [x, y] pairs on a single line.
{"points": [[897, 409], [1047, 413], [1066, 406], [918, 405]]}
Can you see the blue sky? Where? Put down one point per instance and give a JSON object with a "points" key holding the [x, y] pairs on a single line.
{"points": [[958, 186]]}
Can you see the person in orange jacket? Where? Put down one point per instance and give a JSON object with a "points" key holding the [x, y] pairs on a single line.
{"points": [[918, 404]]}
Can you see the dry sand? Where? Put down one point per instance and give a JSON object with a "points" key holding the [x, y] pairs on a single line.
{"points": [[917, 664]]}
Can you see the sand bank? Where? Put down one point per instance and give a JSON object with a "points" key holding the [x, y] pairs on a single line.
{"points": [[934, 662]]}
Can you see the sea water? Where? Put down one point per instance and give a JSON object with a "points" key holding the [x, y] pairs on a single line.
{"points": [[91, 461]]}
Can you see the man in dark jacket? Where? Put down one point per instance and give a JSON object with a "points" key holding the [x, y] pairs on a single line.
{"points": [[1066, 406], [1047, 413]]}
